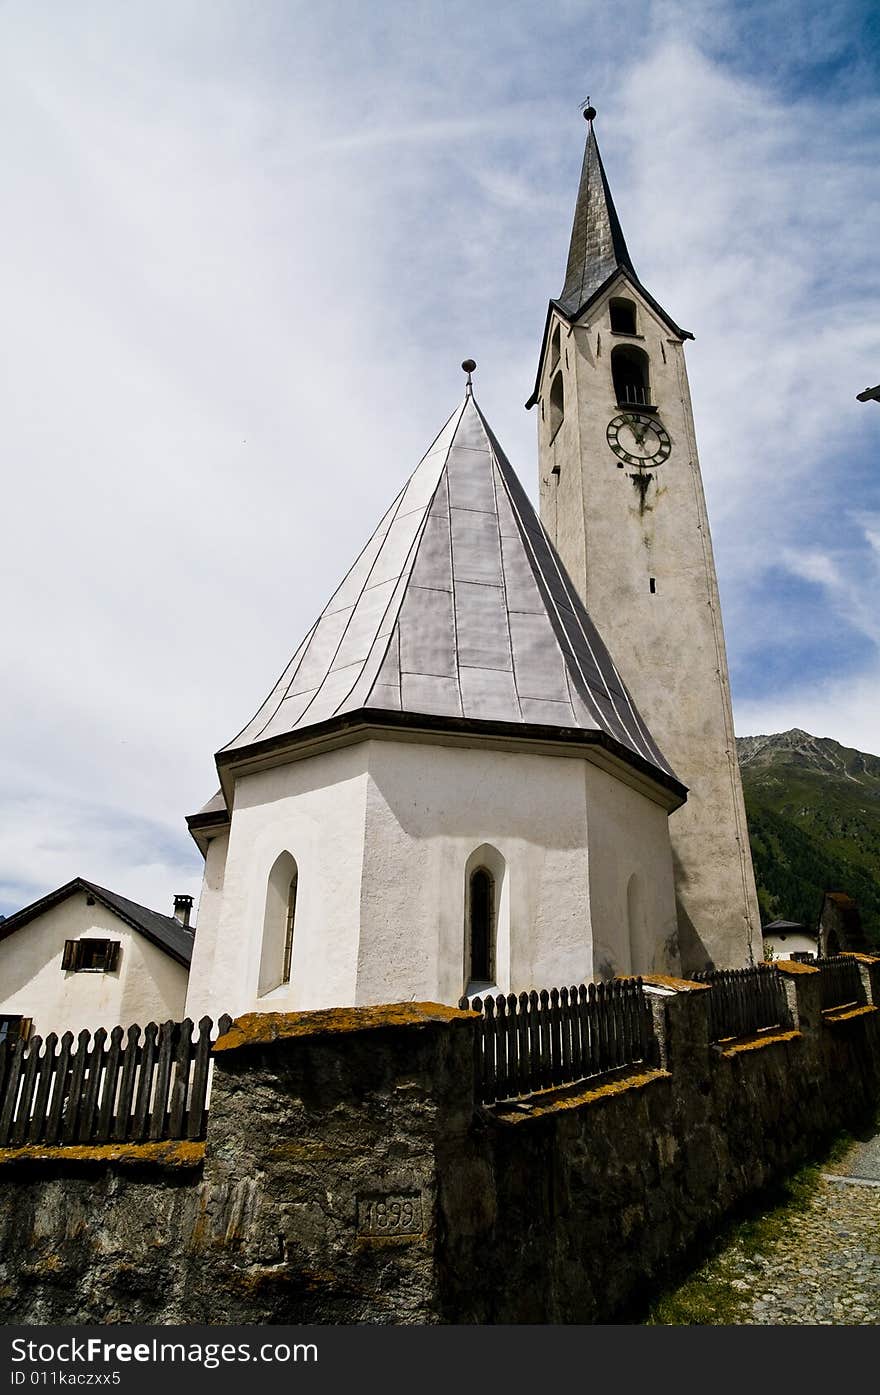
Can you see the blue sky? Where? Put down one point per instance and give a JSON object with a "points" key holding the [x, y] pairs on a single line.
{"points": [[245, 250]]}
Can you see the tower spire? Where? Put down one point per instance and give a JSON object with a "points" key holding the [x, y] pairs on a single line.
{"points": [[597, 246]]}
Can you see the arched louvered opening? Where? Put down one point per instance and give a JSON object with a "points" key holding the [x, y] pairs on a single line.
{"points": [[276, 957], [623, 316], [630, 370]]}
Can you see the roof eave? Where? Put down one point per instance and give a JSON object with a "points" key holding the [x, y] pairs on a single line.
{"points": [[203, 827], [366, 723]]}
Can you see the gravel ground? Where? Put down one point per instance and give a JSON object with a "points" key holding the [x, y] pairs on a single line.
{"points": [[817, 1262]]}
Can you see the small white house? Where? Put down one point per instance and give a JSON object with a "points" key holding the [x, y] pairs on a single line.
{"points": [[84, 957], [783, 939], [449, 790]]}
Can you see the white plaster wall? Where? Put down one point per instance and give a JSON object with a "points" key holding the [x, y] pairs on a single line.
{"points": [[669, 645], [313, 809], [428, 808], [629, 836], [148, 984], [784, 946], [198, 999]]}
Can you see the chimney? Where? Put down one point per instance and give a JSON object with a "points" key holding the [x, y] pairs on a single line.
{"points": [[183, 909]]}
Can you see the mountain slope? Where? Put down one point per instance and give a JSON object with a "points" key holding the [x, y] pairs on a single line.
{"points": [[814, 824]]}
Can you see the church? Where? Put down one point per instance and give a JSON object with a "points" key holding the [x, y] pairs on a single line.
{"points": [[503, 756]]}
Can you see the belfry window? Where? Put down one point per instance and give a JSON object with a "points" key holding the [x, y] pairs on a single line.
{"points": [[481, 927], [557, 404], [276, 956], [630, 373], [623, 316]]}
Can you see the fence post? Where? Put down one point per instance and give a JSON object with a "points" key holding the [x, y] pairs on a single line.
{"points": [[680, 1009], [803, 989]]}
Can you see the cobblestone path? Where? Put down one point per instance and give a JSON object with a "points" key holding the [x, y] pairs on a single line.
{"points": [[815, 1261]]}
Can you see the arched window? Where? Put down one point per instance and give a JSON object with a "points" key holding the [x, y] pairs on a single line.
{"points": [[481, 926], [629, 370], [278, 924], [557, 404], [623, 316]]}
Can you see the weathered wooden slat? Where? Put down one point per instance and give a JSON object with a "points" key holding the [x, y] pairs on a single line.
{"points": [[95, 1067], [21, 1124], [512, 1046], [224, 1022], [123, 1122], [489, 1088], [168, 1034], [180, 1082], [10, 1094], [546, 1049], [73, 1102], [196, 1115], [37, 1128], [523, 1053], [60, 1091], [108, 1087], [146, 1067]]}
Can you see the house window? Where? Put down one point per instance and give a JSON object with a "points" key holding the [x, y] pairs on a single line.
{"points": [[623, 316], [557, 404], [481, 926], [276, 956], [14, 1028], [629, 371], [90, 956]]}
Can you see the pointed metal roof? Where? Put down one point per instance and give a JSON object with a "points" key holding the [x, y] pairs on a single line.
{"points": [[458, 611], [597, 248]]}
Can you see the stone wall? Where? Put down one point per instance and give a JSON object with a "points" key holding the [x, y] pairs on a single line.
{"points": [[348, 1176]]}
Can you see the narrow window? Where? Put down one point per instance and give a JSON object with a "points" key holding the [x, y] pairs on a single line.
{"points": [[90, 956], [623, 316], [653, 585], [276, 955], [557, 404], [555, 347], [288, 933], [629, 371], [481, 916]]}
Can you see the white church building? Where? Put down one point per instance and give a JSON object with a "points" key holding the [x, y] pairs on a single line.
{"points": [[455, 787], [450, 788]]}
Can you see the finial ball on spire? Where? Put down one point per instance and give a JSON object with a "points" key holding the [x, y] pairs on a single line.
{"points": [[589, 114], [468, 365]]}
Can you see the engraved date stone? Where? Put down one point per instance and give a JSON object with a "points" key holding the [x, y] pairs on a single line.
{"points": [[390, 1215]]}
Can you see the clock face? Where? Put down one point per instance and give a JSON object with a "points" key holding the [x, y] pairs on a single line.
{"points": [[638, 439]]}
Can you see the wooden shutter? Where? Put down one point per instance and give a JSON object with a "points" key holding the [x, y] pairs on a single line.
{"points": [[112, 956], [70, 958]]}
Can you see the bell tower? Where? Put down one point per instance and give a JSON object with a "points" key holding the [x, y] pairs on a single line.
{"points": [[622, 500]]}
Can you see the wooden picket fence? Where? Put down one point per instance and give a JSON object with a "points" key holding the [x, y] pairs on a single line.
{"points": [[117, 1087], [562, 1035], [744, 1002], [841, 981]]}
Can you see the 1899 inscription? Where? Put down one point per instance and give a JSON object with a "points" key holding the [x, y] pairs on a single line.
{"points": [[390, 1215]]}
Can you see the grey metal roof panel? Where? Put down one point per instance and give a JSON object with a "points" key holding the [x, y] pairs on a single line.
{"points": [[597, 248], [463, 611]]}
